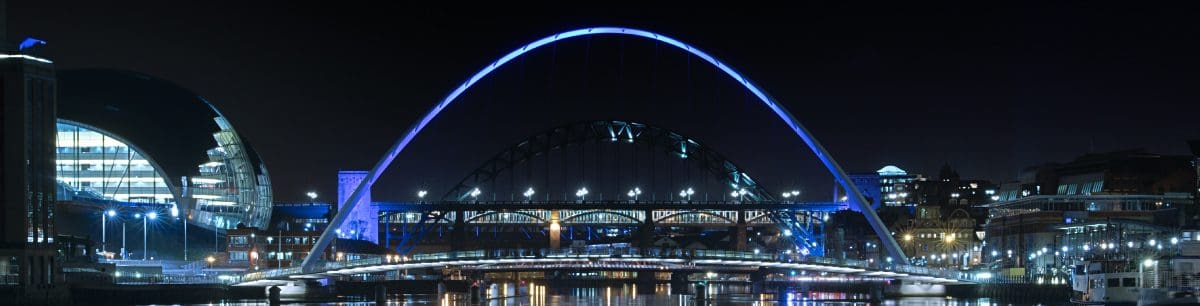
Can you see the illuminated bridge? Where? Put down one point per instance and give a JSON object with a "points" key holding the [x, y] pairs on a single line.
{"points": [[637, 184], [677, 261], [545, 219]]}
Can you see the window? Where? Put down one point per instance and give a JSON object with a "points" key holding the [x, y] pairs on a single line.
{"points": [[1114, 282], [237, 240], [238, 255], [1129, 282]]}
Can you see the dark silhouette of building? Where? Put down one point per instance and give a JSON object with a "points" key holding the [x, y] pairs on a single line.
{"points": [[28, 266], [1120, 172]]}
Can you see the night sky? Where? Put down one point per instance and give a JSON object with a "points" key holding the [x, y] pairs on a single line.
{"points": [[330, 86]]}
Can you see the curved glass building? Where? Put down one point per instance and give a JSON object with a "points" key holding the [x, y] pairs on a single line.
{"points": [[126, 139]]}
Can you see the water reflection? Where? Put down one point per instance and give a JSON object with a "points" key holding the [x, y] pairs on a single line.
{"points": [[540, 294]]}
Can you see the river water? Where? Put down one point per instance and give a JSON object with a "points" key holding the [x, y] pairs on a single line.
{"points": [[535, 295]]}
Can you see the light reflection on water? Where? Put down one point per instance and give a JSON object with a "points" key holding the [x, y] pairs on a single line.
{"points": [[540, 295]]}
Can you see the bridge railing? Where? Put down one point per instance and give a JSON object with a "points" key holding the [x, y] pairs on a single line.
{"points": [[272, 273], [607, 252]]}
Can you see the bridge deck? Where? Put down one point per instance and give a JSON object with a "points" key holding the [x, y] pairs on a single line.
{"points": [[608, 259], [616, 205]]}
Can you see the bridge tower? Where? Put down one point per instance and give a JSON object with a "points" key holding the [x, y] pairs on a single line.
{"points": [[363, 223]]}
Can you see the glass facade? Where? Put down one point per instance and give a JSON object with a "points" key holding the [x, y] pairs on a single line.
{"points": [[227, 189], [99, 166]]}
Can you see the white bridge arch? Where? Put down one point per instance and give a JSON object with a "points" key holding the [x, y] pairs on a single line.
{"points": [[889, 243]]}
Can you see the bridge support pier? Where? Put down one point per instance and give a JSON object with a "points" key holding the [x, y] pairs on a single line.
{"points": [[458, 234], [273, 295], [381, 295], [740, 231], [646, 232], [555, 231], [646, 282], [475, 293], [757, 280], [680, 283]]}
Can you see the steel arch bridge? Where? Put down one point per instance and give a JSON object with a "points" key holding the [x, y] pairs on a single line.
{"points": [[823, 155], [612, 131], [803, 224]]}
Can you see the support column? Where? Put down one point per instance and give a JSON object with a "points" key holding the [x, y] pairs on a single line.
{"points": [[740, 232], [646, 232], [555, 231], [757, 280], [646, 282], [273, 295], [458, 234], [380, 295], [680, 283]]}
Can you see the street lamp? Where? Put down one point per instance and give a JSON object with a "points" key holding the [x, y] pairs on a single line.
{"points": [[278, 250], [312, 195], [475, 193], [421, 194], [146, 232], [634, 193], [793, 193], [739, 194], [687, 193], [582, 193], [270, 240], [104, 229], [528, 194]]}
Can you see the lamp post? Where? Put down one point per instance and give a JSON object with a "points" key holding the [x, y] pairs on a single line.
{"points": [[146, 233], [739, 194], [528, 194], [791, 194], [104, 229], [421, 195], [279, 251], [634, 193], [687, 194], [122, 240], [582, 194], [269, 241], [475, 194]]}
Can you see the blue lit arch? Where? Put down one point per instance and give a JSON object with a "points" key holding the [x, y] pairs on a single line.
{"points": [[826, 159]]}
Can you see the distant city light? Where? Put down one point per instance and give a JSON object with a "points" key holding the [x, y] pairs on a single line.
{"points": [[312, 195]]}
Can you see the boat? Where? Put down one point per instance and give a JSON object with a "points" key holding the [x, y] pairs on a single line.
{"points": [[1106, 282], [1152, 281]]}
